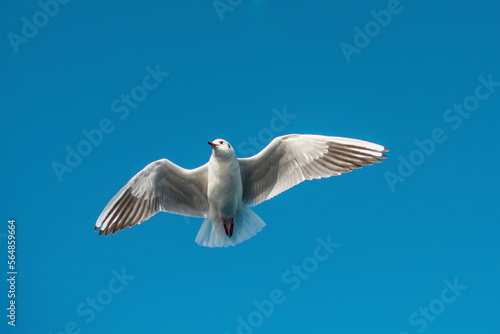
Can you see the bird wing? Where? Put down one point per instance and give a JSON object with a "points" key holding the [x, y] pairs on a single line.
{"points": [[289, 160], [160, 186]]}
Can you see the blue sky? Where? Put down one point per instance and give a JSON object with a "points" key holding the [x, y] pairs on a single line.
{"points": [[411, 243]]}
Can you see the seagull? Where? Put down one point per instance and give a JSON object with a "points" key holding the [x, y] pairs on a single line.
{"points": [[223, 189]]}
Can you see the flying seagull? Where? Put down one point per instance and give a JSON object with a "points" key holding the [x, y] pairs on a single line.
{"points": [[222, 189]]}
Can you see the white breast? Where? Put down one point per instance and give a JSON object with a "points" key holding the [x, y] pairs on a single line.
{"points": [[224, 190]]}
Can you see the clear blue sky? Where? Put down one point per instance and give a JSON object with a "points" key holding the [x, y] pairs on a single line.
{"points": [[415, 238]]}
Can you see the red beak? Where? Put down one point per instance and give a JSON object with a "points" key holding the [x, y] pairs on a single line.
{"points": [[212, 144]]}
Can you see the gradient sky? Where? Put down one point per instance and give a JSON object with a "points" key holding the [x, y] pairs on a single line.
{"points": [[413, 241]]}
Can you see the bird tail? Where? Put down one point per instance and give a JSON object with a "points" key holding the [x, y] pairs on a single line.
{"points": [[246, 225]]}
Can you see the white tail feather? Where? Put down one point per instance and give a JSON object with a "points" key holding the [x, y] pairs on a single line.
{"points": [[212, 233]]}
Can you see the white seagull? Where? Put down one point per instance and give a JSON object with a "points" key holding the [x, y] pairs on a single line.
{"points": [[222, 189]]}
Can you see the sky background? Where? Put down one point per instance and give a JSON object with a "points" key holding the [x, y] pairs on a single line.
{"points": [[408, 228]]}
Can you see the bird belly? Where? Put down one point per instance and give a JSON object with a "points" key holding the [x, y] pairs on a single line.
{"points": [[224, 196]]}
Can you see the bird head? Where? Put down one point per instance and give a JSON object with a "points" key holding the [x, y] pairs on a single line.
{"points": [[221, 147]]}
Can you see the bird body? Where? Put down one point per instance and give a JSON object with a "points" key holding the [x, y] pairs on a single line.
{"points": [[224, 193], [222, 190]]}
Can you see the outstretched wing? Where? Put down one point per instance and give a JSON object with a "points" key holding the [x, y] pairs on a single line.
{"points": [[289, 160], [160, 186]]}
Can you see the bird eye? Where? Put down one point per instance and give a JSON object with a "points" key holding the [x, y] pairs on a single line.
{"points": [[221, 142], [229, 145]]}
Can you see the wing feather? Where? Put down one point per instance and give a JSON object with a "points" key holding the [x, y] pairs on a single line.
{"points": [[160, 186], [291, 159]]}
